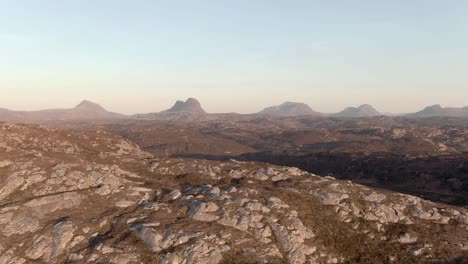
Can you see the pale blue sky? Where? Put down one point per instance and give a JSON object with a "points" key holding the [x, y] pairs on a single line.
{"points": [[140, 56]]}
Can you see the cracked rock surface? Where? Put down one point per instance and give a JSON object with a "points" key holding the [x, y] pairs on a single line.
{"points": [[90, 197]]}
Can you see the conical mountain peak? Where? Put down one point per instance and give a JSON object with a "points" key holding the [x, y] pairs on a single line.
{"points": [[88, 105]]}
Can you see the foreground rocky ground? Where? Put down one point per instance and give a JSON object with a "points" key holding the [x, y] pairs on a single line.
{"points": [[69, 197]]}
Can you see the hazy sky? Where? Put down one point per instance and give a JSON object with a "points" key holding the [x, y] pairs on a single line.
{"points": [[140, 56]]}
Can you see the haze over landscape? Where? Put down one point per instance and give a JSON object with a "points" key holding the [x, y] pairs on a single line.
{"points": [[242, 56], [234, 132]]}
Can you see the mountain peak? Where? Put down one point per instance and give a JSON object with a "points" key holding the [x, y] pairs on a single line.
{"points": [[192, 105], [289, 109], [292, 103], [436, 106], [436, 109], [365, 106], [192, 100], [88, 105], [364, 110]]}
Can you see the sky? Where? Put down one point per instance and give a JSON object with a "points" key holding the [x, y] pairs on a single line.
{"points": [[140, 56]]}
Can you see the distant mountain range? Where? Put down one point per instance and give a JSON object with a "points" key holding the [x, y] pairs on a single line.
{"points": [[365, 110], [192, 108], [302, 109], [437, 110]]}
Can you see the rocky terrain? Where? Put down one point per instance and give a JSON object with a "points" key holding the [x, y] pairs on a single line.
{"points": [[91, 197], [422, 157]]}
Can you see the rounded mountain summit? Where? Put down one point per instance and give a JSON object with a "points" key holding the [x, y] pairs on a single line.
{"points": [[290, 109], [364, 110]]}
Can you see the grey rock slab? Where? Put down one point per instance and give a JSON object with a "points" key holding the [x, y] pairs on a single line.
{"points": [[405, 238], [48, 204], [12, 183], [19, 224], [202, 211], [5, 163], [375, 197]]}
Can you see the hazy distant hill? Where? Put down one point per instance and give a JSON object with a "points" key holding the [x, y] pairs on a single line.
{"points": [[438, 110], [190, 109], [89, 110], [364, 110], [290, 109], [86, 110], [192, 105]]}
